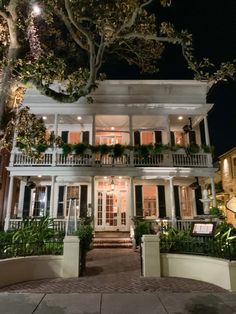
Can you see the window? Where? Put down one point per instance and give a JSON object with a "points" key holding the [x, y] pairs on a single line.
{"points": [[149, 200]]}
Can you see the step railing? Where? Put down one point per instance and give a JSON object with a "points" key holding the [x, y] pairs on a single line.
{"points": [[128, 159]]}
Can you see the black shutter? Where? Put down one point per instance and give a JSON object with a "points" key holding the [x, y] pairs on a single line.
{"points": [[161, 201], [83, 200], [177, 204], [158, 137], [85, 138], [64, 136], [48, 200], [60, 206], [139, 200], [26, 204], [192, 137], [137, 138], [172, 138], [199, 205]]}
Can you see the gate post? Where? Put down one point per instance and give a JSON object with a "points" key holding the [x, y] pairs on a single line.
{"points": [[151, 256], [71, 254]]}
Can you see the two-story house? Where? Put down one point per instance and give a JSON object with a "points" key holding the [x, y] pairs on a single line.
{"points": [[162, 183]]}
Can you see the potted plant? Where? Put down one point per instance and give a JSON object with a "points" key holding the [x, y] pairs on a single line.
{"points": [[67, 149], [80, 148], [118, 150]]}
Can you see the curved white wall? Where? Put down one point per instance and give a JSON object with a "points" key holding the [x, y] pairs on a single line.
{"points": [[21, 269], [213, 270]]}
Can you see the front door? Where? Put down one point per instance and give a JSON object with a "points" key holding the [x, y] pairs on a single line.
{"points": [[111, 210]]}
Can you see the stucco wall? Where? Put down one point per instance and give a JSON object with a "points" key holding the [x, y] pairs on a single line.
{"points": [[213, 270], [21, 269]]}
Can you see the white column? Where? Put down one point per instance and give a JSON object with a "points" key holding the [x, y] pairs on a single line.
{"points": [[168, 131], [52, 197], [213, 192], [93, 201], [206, 130], [131, 136], [94, 130], [9, 204], [55, 135], [172, 202], [21, 199]]}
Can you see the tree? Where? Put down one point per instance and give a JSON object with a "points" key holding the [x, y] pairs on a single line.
{"points": [[71, 39]]}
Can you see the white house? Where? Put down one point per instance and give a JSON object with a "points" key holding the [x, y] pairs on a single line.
{"points": [[115, 190]]}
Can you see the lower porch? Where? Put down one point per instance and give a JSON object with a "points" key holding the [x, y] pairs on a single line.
{"points": [[111, 202]]}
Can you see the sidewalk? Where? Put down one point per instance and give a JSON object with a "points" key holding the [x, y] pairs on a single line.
{"points": [[113, 285], [126, 303]]}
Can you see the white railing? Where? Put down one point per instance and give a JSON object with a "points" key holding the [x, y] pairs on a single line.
{"points": [[128, 159], [58, 224], [179, 224]]}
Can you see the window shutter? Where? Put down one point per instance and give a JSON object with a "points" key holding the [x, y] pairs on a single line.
{"points": [[139, 200], [26, 205], [177, 204], [60, 206], [192, 137], [137, 139], [161, 201], [83, 200], [86, 137], [172, 138], [64, 136], [199, 205], [158, 137], [48, 200]]}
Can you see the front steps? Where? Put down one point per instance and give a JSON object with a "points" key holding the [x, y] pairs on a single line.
{"points": [[112, 240]]}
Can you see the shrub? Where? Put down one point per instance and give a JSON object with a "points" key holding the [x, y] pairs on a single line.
{"points": [[85, 234], [141, 228]]}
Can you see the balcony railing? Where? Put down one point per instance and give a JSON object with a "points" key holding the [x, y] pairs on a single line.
{"points": [[128, 159]]}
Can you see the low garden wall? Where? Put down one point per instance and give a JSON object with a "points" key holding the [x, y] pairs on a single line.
{"points": [[221, 272], [19, 269], [209, 269]]}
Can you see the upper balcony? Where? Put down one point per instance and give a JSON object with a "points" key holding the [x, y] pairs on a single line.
{"points": [[129, 158]]}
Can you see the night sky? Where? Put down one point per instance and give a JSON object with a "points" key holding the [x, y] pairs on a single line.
{"points": [[213, 25]]}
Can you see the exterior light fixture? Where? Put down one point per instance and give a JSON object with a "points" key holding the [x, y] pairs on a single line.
{"points": [[180, 118], [112, 128], [79, 118], [44, 118], [112, 184], [36, 10], [188, 127]]}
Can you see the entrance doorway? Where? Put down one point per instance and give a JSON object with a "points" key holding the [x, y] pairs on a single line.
{"points": [[111, 205]]}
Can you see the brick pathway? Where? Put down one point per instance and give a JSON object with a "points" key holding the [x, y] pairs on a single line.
{"points": [[110, 271]]}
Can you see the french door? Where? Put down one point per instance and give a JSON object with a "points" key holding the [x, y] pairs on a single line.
{"points": [[111, 213]]}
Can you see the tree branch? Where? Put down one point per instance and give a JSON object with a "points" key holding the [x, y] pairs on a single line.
{"points": [[70, 29]]}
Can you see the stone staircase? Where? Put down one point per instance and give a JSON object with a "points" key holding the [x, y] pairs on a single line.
{"points": [[112, 240]]}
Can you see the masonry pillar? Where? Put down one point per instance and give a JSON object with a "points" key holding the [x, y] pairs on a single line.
{"points": [[151, 256], [71, 254]]}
